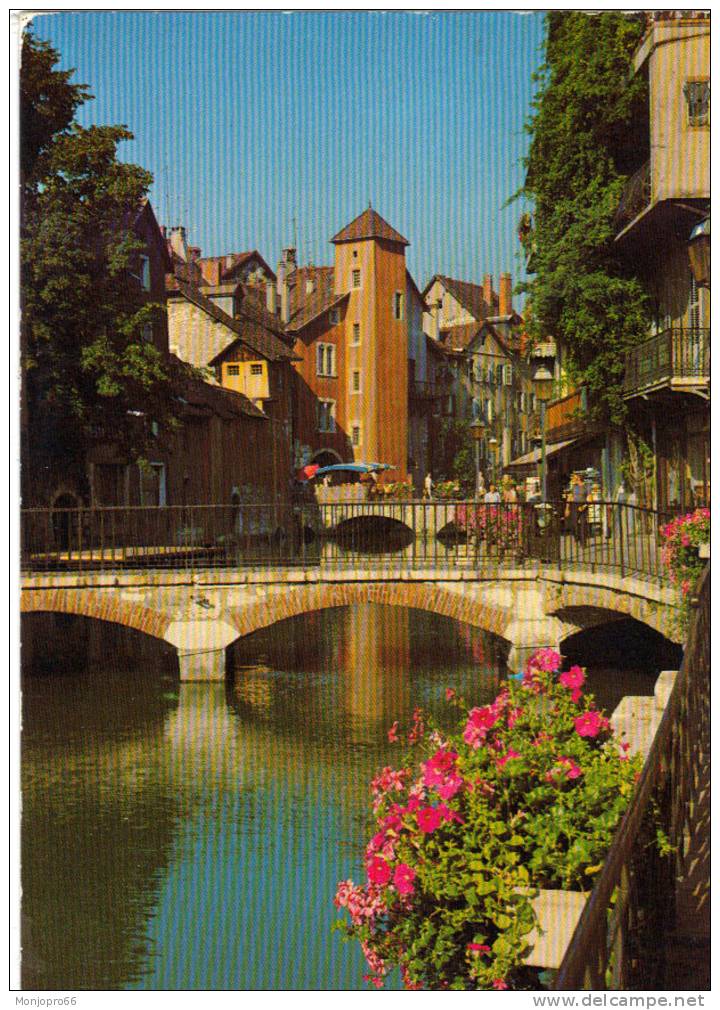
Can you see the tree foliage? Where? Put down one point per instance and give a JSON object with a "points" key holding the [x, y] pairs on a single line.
{"points": [[582, 149], [88, 374]]}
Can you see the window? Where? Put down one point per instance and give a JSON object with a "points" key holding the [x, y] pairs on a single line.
{"points": [[356, 334], [233, 369], [697, 96], [152, 484], [334, 317], [326, 415], [145, 272], [147, 333], [326, 359], [355, 436], [256, 369], [355, 385], [508, 375], [356, 278], [398, 304]]}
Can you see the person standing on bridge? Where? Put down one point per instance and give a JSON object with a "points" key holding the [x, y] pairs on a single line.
{"points": [[428, 487]]}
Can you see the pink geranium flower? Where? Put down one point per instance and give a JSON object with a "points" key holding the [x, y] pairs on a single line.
{"points": [[478, 948], [393, 732], [480, 720], [451, 786], [378, 871], [572, 678], [589, 723], [547, 660], [502, 761], [500, 983], [404, 879], [429, 818]]}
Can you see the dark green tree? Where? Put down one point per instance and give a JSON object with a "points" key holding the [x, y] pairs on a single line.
{"points": [[88, 375], [582, 148]]}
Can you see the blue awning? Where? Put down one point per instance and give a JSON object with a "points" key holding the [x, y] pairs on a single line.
{"points": [[353, 468]]}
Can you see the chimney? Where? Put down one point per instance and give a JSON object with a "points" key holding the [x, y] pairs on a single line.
{"points": [[286, 267], [488, 292], [505, 294], [177, 236], [271, 298]]}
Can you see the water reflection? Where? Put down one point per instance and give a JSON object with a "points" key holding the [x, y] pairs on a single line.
{"points": [[192, 837]]}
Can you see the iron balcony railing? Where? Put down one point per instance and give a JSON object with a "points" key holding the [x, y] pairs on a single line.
{"points": [[673, 355], [636, 196], [343, 534], [622, 938]]}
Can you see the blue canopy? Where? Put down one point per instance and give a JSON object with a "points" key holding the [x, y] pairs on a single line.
{"points": [[353, 468]]}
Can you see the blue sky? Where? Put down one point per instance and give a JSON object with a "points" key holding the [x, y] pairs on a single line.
{"points": [[251, 120]]}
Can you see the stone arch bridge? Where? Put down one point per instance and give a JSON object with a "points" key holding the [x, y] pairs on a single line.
{"points": [[202, 613]]}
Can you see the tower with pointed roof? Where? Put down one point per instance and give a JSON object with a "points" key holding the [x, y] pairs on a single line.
{"points": [[370, 269]]}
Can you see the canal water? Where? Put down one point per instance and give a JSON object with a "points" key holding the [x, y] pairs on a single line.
{"points": [[191, 837]]}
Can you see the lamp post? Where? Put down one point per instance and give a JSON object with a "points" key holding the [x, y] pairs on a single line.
{"points": [[543, 385], [492, 445], [477, 430], [699, 253]]}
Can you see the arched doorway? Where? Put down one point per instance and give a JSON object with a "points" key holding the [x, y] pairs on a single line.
{"points": [[326, 457], [66, 520]]}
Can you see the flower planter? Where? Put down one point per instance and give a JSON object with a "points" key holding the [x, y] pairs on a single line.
{"points": [[557, 914]]}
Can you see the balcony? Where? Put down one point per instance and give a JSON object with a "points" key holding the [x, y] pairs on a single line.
{"points": [[677, 359], [637, 195], [565, 418]]}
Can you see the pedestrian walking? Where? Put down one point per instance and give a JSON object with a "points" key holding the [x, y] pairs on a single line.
{"points": [[492, 496], [428, 487]]}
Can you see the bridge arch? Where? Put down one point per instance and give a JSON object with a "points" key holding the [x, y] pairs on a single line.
{"points": [[609, 603], [106, 606], [294, 602]]}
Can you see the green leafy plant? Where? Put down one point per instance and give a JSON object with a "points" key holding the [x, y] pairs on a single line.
{"points": [[447, 490], [525, 794], [583, 148], [88, 375]]}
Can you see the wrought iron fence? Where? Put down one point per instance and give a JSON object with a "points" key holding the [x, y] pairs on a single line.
{"points": [[346, 533], [618, 943]]}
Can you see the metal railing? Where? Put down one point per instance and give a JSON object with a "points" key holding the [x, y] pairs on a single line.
{"points": [[618, 943], [676, 353], [636, 196], [342, 533]]}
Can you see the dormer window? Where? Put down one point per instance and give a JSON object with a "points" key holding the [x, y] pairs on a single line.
{"points": [[697, 96]]}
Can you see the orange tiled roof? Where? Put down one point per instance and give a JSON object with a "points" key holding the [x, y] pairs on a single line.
{"points": [[369, 224]]}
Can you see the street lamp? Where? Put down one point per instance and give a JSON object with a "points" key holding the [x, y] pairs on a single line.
{"points": [[477, 430], [699, 253], [543, 386]]}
